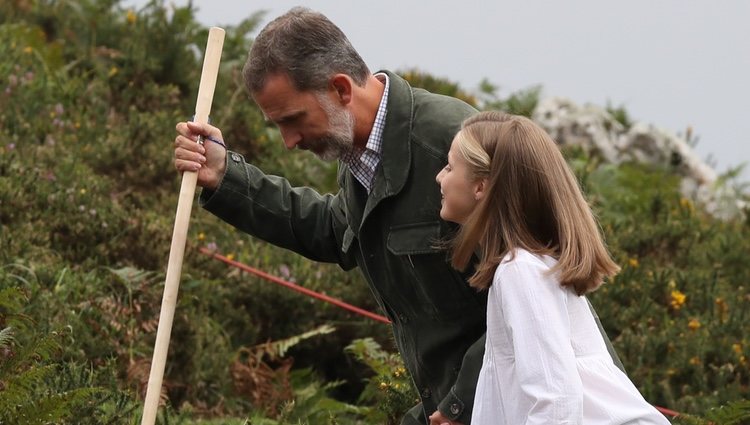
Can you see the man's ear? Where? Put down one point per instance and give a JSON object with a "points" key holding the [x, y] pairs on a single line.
{"points": [[342, 85], [479, 189]]}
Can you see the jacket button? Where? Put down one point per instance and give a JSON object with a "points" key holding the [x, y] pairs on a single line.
{"points": [[403, 318], [455, 409], [235, 157], [426, 393]]}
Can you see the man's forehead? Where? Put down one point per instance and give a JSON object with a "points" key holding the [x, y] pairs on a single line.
{"points": [[278, 81], [276, 103]]}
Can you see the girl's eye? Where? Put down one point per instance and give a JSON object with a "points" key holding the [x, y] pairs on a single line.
{"points": [[447, 167]]}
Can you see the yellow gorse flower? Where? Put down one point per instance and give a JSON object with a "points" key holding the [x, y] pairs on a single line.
{"points": [[131, 17], [694, 324], [633, 263], [677, 299]]}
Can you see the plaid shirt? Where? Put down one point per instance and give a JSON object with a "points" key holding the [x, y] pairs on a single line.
{"points": [[363, 163]]}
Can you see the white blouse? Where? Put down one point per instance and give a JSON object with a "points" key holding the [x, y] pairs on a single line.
{"points": [[545, 361]]}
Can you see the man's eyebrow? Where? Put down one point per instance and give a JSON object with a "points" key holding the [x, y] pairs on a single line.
{"points": [[290, 117]]}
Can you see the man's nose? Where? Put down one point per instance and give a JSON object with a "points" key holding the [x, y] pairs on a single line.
{"points": [[291, 138]]}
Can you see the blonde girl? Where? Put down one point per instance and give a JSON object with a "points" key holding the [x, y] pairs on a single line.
{"points": [[541, 251]]}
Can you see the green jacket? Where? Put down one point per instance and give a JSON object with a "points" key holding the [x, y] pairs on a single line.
{"points": [[392, 235]]}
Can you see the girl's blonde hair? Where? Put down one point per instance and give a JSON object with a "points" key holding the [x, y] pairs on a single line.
{"points": [[532, 201]]}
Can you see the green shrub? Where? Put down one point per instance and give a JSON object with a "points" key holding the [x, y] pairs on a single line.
{"points": [[675, 313], [390, 388], [89, 95]]}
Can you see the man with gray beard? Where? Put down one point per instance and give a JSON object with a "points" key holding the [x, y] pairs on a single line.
{"points": [[390, 140]]}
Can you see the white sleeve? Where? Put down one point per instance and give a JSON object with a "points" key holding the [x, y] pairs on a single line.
{"points": [[534, 307]]}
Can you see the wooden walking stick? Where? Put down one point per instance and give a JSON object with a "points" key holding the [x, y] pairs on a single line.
{"points": [[179, 235]]}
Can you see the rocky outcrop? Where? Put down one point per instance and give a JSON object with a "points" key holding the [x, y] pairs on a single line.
{"points": [[597, 131]]}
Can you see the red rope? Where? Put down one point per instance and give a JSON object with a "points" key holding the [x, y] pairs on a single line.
{"points": [[334, 301], [666, 412], [295, 287]]}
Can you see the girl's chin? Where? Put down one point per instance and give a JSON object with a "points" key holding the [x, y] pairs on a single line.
{"points": [[447, 218]]}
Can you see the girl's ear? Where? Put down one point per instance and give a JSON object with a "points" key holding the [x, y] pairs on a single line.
{"points": [[479, 189]]}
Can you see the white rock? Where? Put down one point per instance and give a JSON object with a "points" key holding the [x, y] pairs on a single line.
{"points": [[598, 132]]}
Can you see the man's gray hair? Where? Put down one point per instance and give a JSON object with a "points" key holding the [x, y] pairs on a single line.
{"points": [[306, 46]]}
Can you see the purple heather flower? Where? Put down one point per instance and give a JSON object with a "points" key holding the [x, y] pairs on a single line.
{"points": [[284, 271]]}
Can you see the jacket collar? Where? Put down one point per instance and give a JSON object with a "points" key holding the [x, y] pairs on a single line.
{"points": [[396, 157]]}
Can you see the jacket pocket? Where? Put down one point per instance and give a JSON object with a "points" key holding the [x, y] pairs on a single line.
{"points": [[441, 291], [415, 238]]}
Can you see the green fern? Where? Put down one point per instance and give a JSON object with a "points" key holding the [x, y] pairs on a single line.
{"points": [[25, 357], [26, 396], [277, 349], [6, 337], [11, 302], [390, 389], [34, 389], [734, 413], [312, 403], [53, 408]]}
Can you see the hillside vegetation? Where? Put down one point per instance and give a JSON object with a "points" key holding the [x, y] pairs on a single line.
{"points": [[89, 96]]}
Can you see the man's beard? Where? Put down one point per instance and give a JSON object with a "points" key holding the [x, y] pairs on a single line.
{"points": [[339, 140]]}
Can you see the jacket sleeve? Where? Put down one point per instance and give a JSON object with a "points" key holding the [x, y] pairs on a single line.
{"points": [[268, 207], [458, 404]]}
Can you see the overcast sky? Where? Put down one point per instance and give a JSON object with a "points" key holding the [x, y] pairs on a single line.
{"points": [[672, 63]]}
